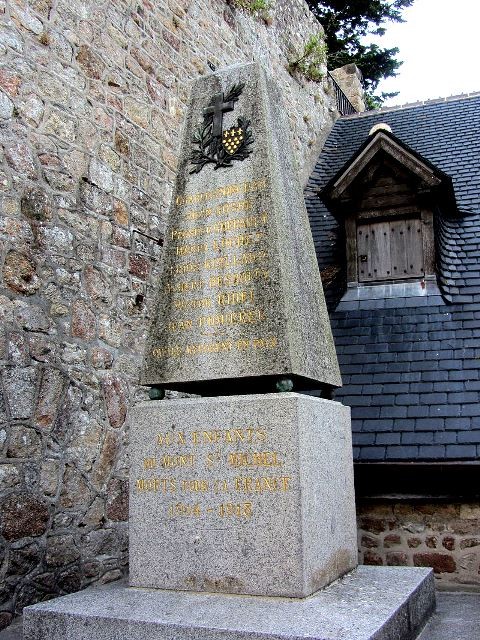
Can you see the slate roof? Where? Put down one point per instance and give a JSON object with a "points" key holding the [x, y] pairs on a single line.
{"points": [[411, 369]]}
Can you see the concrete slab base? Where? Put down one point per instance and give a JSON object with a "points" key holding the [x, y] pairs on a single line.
{"points": [[370, 603]]}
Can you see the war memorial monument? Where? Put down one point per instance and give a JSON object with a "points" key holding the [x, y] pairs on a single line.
{"points": [[242, 513]]}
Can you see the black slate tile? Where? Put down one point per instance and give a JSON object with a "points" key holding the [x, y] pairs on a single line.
{"points": [[434, 451], [416, 411], [404, 424], [372, 453], [425, 424], [387, 438], [444, 411], [393, 412], [459, 451], [445, 437], [468, 437], [423, 437], [382, 424], [401, 452], [458, 423]]}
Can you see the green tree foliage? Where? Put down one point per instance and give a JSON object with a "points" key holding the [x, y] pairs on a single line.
{"points": [[346, 24]]}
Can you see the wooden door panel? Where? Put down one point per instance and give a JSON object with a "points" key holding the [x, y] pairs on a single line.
{"points": [[380, 250], [373, 251], [364, 253], [398, 249], [413, 233], [390, 250]]}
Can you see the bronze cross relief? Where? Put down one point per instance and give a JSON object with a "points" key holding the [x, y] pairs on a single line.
{"points": [[213, 145], [218, 107]]}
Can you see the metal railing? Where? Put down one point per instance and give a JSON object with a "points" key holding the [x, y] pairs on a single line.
{"points": [[344, 106]]}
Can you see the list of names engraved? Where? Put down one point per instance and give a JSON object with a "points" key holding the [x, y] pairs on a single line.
{"points": [[218, 266]]}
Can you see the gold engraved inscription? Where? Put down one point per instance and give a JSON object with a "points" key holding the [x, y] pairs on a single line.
{"points": [[255, 459], [224, 510], [196, 303], [244, 435], [235, 297], [182, 269], [228, 436], [185, 287], [229, 509], [233, 207], [221, 262], [184, 510], [162, 485], [247, 484], [232, 317], [249, 186], [221, 231], [225, 346], [194, 486], [180, 325], [235, 224], [170, 462], [171, 438], [265, 343], [170, 351], [222, 210], [240, 241], [189, 249], [236, 279], [220, 486], [236, 242], [217, 449], [243, 484]]}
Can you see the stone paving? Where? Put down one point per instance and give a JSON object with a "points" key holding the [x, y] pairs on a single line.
{"points": [[13, 632], [457, 618]]}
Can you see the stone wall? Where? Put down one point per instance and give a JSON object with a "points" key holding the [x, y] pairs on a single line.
{"points": [[92, 96], [349, 79], [443, 536]]}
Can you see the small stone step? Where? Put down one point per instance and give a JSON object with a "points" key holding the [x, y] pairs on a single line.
{"points": [[369, 603]]}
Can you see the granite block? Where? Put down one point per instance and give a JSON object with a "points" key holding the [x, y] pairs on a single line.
{"points": [[370, 603], [241, 494], [240, 296]]}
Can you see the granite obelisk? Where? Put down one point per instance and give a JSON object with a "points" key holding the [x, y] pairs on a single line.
{"points": [[246, 487], [240, 296]]}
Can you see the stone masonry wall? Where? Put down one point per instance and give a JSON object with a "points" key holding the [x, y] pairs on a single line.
{"points": [[443, 536], [92, 96]]}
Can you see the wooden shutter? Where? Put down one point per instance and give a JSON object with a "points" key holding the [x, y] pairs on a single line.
{"points": [[390, 250]]}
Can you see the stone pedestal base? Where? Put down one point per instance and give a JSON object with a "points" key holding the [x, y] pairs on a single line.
{"points": [[371, 603], [241, 494]]}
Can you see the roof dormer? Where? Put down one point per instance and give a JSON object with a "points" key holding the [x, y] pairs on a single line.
{"points": [[386, 196]]}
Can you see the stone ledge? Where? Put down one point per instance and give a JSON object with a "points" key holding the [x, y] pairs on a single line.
{"points": [[371, 603]]}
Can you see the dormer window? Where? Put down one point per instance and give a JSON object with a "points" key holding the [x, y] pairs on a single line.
{"points": [[386, 196]]}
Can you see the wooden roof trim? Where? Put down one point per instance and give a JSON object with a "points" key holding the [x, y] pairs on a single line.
{"points": [[383, 142]]}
